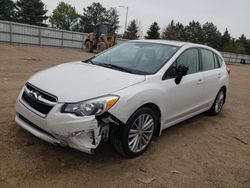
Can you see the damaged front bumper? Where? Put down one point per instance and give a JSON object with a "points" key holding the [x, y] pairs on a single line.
{"points": [[81, 133]]}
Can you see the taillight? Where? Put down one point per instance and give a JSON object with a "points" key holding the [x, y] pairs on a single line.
{"points": [[228, 70]]}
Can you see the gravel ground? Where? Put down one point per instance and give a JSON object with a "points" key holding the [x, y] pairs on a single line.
{"points": [[203, 151]]}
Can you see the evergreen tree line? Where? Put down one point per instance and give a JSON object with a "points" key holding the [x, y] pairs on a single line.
{"points": [[65, 16], [207, 34]]}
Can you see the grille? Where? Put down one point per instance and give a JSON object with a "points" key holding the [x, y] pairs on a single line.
{"points": [[44, 94], [43, 102]]}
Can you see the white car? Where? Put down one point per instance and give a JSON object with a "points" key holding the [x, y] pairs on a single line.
{"points": [[129, 93]]}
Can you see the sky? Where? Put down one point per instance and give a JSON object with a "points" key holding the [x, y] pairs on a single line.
{"points": [[231, 14]]}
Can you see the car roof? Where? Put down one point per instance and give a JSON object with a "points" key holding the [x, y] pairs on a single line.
{"points": [[169, 42], [176, 43]]}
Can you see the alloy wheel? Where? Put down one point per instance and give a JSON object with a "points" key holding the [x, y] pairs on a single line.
{"points": [[219, 102], [140, 133]]}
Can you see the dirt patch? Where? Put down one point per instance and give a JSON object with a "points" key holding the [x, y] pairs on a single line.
{"points": [[203, 151]]}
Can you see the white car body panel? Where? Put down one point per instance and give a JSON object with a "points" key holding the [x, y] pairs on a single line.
{"points": [[77, 81]]}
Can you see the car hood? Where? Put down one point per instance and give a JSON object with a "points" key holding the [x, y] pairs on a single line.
{"points": [[77, 81]]}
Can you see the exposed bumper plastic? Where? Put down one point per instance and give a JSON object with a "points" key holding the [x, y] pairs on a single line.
{"points": [[82, 133]]}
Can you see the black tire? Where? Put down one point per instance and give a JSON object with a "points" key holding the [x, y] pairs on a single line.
{"points": [[89, 46], [120, 136], [218, 103], [101, 46]]}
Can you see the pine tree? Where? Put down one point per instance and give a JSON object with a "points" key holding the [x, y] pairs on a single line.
{"points": [[173, 31], [7, 10], [244, 42], [97, 14], [226, 42], [170, 32], [212, 37], [242, 45], [153, 31], [92, 15], [226, 37], [194, 32], [239, 47], [181, 32], [132, 31], [248, 47], [31, 12]]}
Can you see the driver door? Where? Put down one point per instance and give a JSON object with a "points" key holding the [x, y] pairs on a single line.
{"points": [[183, 99]]}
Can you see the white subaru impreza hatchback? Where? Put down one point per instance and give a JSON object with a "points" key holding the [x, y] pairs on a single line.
{"points": [[129, 93]]}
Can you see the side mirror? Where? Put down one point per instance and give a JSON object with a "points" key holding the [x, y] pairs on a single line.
{"points": [[181, 71]]}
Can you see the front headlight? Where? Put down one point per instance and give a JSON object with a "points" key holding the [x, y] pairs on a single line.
{"points": [[91, 107]]}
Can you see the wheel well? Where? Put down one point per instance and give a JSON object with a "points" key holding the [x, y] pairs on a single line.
{"points": [[86, 41], [157, 110], [224, 88]]}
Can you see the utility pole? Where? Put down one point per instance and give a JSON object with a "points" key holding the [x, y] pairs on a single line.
{"points": [[126, 7], [45, 7]]}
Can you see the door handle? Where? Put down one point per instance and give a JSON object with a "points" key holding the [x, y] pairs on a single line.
{"points": [[219, 75]]}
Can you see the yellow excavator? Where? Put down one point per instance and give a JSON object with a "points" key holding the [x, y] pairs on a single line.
{"points": [[100, 39]]}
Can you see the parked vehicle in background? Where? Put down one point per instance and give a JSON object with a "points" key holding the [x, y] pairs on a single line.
{"points": [[129, 94], [101, 39]]}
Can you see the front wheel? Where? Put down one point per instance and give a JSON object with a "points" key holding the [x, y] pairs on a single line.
{"points": [[218, 103], [101, 46], [137, 135], [89, 46]]}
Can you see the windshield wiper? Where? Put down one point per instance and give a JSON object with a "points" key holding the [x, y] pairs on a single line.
{"points": [[114, 67], [89, 61]]}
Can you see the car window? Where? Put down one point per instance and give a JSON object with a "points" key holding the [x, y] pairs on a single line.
{"points": [[216, 61], [189, 58], [171, 72], [207, 60], [220, 61]]}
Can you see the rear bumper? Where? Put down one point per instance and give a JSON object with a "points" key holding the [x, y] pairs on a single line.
{"points": [[81, 133]]}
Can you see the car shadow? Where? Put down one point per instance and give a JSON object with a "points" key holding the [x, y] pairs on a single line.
{"points": [[66, 158]]}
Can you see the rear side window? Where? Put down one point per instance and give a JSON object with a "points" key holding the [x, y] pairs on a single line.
{"points": [[216, 61], [189, 58], [220, 61], [207, 60]]}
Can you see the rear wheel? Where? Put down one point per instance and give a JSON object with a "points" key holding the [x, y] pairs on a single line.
{"points": [[218, 103], [137, 135]]}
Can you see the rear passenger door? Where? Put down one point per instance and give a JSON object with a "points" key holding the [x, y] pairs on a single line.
{"points": [[211, 75]]}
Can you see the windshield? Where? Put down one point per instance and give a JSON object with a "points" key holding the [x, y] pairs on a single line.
{"points": [[136, 57]]}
